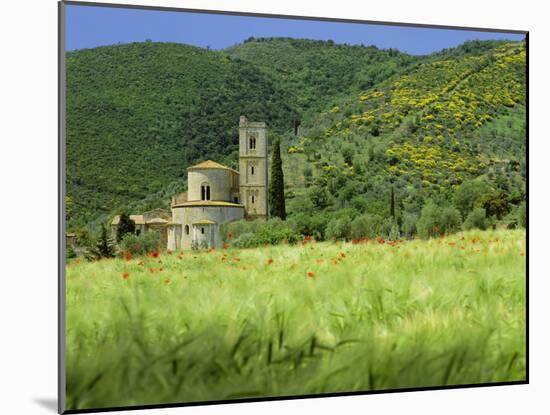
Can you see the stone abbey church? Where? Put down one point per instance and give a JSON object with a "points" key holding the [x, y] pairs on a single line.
{"points": [[215, 194]]}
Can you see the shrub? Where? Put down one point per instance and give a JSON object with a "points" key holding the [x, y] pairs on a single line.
{"points": [[522, 215], [246, 234], [104, 247], [437, 221], [409, 224], [366, 225], [245, 240], [339, 229], [468, 194], [125, 226], [310, 224], [476, 219], [141, 244]]}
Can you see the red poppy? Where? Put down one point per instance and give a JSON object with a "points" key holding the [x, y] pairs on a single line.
{"points": [[310, 274], [270, 261], [125, 275], [229, 236], [225, 246], [381, 241], [127, 255]]}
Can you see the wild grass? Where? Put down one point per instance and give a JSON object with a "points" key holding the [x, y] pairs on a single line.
{"points": [[293, 320]]}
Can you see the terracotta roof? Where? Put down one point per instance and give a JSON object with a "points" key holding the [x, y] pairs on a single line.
{"points": [[138, 219], [209, 164], [220, 203], [204, 222]]}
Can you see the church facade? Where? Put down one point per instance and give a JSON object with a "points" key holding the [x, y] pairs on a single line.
{"points": [[218, 194]]}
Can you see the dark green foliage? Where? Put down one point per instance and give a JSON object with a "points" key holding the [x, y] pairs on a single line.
{"points": [[496, 203], [469, 194], [408, 226], [392, 203], [367, 225], [522, 214], [320, 70], [319, 196], [70, 253], [141, 244], [104, 247], [248, 234], [313, 224], [277, 184], [125, 226], [476, 219], [438, 220], [339, 228]]}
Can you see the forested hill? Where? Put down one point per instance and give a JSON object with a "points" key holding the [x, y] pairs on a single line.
{"points": [[316, 71], [139, 114], [451, 127]]}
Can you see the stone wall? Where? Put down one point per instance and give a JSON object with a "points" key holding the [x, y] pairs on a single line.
{"points": [[187, 215], [221, 183]]}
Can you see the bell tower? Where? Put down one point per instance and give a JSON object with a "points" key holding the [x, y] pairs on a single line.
{"points": [[253, 168]]}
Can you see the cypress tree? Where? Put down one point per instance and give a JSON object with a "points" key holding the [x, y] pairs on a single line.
{"points": [[125, 225], [277, 184], [392, 204], [104, 246]]}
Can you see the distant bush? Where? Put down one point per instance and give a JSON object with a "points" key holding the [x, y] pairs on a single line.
{"points": [[125, 226], [522, 215], [476, 219], [310, 224], [247, 234], [104, 247], [366, 225], [245, 240], [409, 224], [437, 220], [468, 194], [144, 243], [339, 228]]}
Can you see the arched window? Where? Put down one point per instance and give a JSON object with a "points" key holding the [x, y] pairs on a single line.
{"points": [[205, 192], [202, 231], [252, 170], [187, 229], [252, 199], [252, 143]]}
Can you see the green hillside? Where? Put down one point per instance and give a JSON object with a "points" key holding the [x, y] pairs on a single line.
{"points": [[443, 122], [370, 121], [139, 114], [317, 71]]}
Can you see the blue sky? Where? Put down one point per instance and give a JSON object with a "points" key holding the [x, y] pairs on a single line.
{"points": [[89, 26]]}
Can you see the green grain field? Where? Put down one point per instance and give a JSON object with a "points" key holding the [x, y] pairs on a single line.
{"points": [[293, 320]]}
